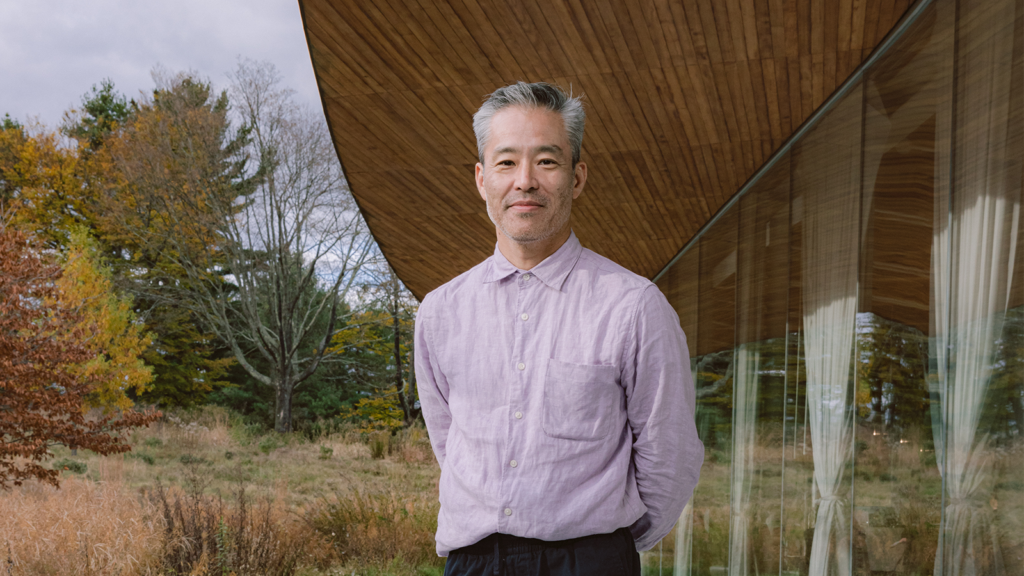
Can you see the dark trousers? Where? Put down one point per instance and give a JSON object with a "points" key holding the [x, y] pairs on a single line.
{"points": [[503, 555]]}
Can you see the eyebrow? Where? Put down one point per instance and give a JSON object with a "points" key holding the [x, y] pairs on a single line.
{"points": [[549, 148]]}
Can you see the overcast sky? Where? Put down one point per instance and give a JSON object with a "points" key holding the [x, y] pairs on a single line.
{"points": [[53, 51]]}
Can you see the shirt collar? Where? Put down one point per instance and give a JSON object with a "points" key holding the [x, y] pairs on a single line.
{"points": [[552, 271]]}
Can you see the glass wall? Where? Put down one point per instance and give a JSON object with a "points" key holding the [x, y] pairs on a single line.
{"points": [[856, 324]]}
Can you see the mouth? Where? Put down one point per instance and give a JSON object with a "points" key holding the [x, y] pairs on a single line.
{"points": [[525, 206]]}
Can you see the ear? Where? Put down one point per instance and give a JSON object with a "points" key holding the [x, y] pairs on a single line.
{"points": [[579, 178], [480, 181]]}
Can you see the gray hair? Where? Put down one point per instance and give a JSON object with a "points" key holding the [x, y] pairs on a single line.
{"points": [[536, 95]]}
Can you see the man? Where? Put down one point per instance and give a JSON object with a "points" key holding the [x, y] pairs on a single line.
{"points": [[555, 384]]}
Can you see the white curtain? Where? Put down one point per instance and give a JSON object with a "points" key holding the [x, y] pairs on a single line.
{"points": [[684, 541], [830, 251], [973, 255], [744, 414]]}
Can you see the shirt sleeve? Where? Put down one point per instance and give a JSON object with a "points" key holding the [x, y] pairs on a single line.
{"points": [[660, 400], [431, 385]]}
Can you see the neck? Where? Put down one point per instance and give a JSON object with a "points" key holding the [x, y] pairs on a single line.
{"points": [[527, 255]]}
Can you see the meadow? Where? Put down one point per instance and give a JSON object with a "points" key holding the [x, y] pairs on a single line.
{"points": [[202, 493]]}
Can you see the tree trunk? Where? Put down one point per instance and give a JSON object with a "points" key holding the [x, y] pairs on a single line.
{"points": [[283, 407], [399, 384]]}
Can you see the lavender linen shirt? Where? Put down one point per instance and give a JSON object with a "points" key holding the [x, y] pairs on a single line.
{"points": [[559, 401]]}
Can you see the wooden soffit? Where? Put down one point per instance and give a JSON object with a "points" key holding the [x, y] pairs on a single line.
{"points": [[685, 100]]}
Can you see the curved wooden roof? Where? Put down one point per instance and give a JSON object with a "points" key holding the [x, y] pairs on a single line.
{"points": [[685, 100]]}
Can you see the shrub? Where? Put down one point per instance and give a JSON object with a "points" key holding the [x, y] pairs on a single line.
{"points": [[313, 431], [269, 443], [376, 528], [203, 535], [66, 464], [143, 456], [379, 444], [326, 452]]}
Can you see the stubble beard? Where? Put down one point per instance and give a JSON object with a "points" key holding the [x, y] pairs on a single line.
{"points": [[556, 220]]}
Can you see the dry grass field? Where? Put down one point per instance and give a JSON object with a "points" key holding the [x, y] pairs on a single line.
{"points": [[202, 494]]}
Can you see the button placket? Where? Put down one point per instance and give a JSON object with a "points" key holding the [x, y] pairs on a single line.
{"points": [[520, 361]]}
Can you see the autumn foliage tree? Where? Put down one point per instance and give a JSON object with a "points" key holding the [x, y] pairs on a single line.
{"points": [[42, 394], [170, 145], [117, 340]]}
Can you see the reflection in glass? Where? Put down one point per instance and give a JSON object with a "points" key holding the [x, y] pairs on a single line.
{"points": [[972, 280], [759, 376], [680, 286], [856, 327], [897, 486], [714, 373], [827, 169]]}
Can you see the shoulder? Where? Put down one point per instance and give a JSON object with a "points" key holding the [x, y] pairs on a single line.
{"points": [[619, 287], [605, 274], [453, 290]]}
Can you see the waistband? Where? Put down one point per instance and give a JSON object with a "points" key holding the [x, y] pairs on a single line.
{"points": [[505, 544]]}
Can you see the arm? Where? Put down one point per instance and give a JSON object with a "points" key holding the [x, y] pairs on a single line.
{"points": [[431, 385], [660, 401]]}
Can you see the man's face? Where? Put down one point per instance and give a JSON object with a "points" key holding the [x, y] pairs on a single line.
{"points": [[527, 178]]}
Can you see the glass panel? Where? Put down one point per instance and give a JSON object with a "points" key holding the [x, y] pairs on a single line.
{"points": [[897, 486], [680, 284], [760, 376], [714, 380], [826, 180], [974, 282]]}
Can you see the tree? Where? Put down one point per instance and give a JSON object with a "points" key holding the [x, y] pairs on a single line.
{"points": [[117, 340], [103, 111], [12, 139], [41, 176], [268, 251], [41, 393], [385, 328], [167, 155]]}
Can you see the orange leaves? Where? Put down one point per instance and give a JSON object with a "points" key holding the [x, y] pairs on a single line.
{"points": [[41, 393]]}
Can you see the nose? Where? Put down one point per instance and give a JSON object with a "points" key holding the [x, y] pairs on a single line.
{"points": [[526, 177]]}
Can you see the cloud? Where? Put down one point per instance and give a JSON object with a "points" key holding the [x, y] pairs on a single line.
{"points": [[53, 51]]}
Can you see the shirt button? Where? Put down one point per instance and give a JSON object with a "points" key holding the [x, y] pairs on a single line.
{"points": [[525, 316], [513, 463], [508, 511], [519, 414], [527, 277], [521, 366]]}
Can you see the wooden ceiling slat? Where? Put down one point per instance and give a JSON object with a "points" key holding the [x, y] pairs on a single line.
{"points": [[686, 40], [844, 24], [874, 11], [344, 64], [376, 63], [731, 43], [417, 40], [691, 18], [447, 51], [571, 41], [818, 24], [685, 98], [478, 35], [622, 20], [752, 22]]}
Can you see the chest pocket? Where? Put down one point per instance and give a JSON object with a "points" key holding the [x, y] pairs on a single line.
{"points": [[582, 401]]}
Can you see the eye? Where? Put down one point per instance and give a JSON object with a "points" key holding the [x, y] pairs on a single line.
{"points": [[547, 162], [506, 163]]}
